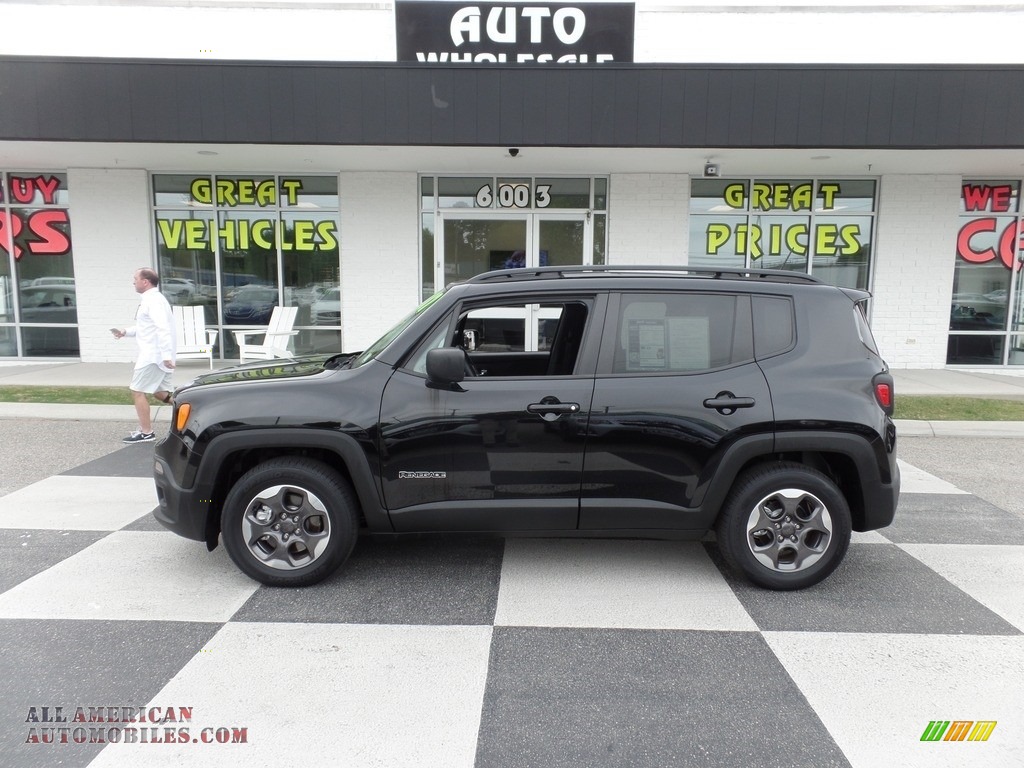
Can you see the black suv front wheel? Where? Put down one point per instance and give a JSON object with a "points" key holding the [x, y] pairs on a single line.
{"points": [[290, 522], [784, 525]]}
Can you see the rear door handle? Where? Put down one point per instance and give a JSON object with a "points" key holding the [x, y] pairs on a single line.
{"points": [[726, 403]]}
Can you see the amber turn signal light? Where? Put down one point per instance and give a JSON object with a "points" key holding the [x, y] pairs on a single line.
{"points": [[184, 411]]}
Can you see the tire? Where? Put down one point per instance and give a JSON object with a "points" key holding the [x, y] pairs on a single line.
{"points": [[290, 522], [784, 526]]}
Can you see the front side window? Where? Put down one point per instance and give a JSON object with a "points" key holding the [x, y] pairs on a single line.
{"points": [[513, 339]]}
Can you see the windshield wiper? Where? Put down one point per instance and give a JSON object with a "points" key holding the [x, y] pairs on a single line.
{"points": [[344, 360]]}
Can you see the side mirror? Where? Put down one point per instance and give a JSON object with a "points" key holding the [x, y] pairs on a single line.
{"points": [[445, 366]]}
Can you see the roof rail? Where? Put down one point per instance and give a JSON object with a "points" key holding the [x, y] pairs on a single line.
{"points": [[729, 273]]}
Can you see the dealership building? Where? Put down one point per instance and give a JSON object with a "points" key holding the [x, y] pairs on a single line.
{"points": [[350, 158]]}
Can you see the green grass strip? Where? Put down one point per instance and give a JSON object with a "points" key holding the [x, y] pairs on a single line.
{"points": [[79, 395], [943, 408]]}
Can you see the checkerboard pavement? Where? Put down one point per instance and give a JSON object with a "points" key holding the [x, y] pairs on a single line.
{"points": [[482, 652]]}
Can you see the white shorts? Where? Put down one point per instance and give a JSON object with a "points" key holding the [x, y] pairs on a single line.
{"points": [[151, 378]]}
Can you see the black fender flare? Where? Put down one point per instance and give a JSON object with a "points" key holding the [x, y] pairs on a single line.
{"points": [[345, 447], [878, 488]]}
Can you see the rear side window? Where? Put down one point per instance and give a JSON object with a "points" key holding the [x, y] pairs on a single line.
{"points": [[773, 325], [681, 332]]}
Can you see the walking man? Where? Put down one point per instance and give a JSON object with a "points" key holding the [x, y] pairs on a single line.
{"points": [[154, 332]]}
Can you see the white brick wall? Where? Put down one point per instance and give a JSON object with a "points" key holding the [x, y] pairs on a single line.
{"points": [[648, 218], [913, 273], [379, 253], [111, 237]]}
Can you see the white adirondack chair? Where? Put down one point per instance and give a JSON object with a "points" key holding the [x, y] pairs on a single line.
{"points": [[276, 339], [195, 341]]}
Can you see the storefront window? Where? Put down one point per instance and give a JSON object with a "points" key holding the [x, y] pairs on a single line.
{"points": [[600, 238], [566, 193], [459, 192], [821, 226], [986, 301], [427, 255], [38, 303], [242, 245]]}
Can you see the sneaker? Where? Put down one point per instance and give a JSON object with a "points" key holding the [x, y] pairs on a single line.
{"points": [[140, 437]]}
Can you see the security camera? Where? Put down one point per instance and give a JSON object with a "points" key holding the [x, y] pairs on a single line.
{"points": [[513, 151], [710, 170]]}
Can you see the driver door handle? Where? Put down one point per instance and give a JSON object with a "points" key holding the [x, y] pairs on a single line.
{"points": [[553, 407], [550, 408]]}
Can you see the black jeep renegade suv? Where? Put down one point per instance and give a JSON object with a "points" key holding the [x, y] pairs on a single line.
{"points": [[650, 402]]}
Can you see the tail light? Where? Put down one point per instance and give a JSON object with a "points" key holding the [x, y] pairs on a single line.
{"points": [[885, 394]]}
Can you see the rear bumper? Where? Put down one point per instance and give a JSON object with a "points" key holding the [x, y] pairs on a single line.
{"points": [[880, 506]]}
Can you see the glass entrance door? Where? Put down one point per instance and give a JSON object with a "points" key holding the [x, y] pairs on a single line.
{"points": [[563, 240], [472, 243]]}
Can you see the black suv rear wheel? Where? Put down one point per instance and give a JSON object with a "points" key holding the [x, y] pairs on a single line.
{"points": [[784, 525], [290, 522]]}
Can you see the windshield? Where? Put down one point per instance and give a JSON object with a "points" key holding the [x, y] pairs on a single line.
{"points": [[380, 344]]}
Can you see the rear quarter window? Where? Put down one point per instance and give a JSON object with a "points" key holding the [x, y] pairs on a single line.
{"points": [[774, 328], [860, 317]]}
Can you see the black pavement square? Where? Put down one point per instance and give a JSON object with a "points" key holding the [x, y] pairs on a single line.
{"points": [[443, 580], [949, 518], [590, 697], [877, 588], [24, 553], [145, 523], [71, 664], [129, 461]]}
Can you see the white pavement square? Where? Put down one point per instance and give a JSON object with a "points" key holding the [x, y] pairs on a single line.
{"points": [[615, 584], [877, 693], [915, 480], [328, 694], [79, 503], [992, 574], [135, 576]]}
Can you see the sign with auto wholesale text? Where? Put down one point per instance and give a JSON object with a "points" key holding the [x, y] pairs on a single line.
{"points": [[508, 33]]}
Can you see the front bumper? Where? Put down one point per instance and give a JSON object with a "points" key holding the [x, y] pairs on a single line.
{"points": [[181, 510]]}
